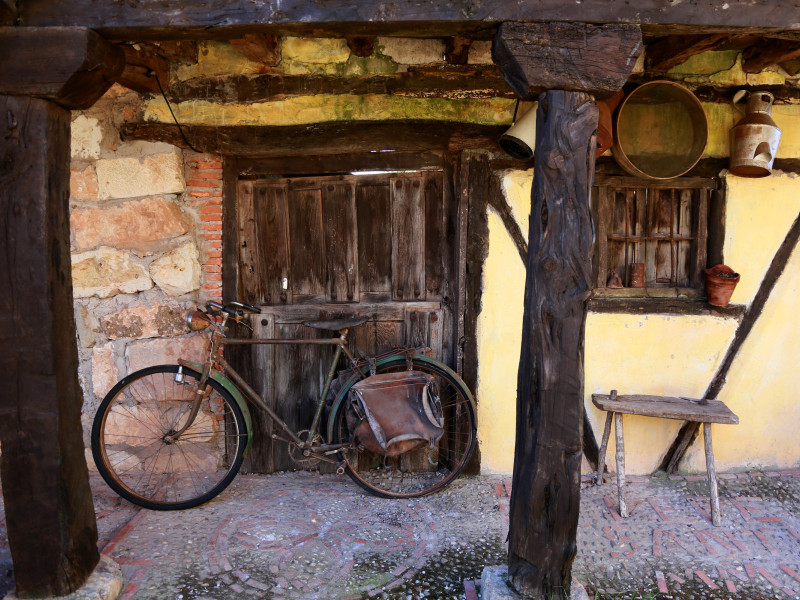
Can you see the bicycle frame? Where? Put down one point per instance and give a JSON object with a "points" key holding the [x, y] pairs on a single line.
{"points": [[227, 376]]}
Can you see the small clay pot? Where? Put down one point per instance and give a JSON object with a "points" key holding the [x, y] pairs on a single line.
{"points": [[720, 283]]}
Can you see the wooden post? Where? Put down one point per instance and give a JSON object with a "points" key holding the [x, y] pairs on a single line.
{"points": [[48, 503], [711, 472], [547, 460]]}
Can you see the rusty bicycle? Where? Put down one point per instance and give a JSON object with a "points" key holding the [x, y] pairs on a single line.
{"points": [[174, 436]]}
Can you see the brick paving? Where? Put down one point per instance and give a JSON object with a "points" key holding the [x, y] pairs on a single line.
{"points": [[300, 535]]}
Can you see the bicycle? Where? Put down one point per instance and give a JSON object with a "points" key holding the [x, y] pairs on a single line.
{"points": [[171, 437]]}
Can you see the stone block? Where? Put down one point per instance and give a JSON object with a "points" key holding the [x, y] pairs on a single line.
{"points": [[106, 272], [86, 325], [315, 50], [494, 587], [83, 184], [161, 320], [412, 51], [86, 138], [480, 53], [104, 371], [165, 351], [134, 177], [138, 225], [177, 272]]}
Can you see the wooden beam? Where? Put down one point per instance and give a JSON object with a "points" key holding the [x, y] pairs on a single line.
{"points": [[259, 47], [361, 46], [142, 66], [344, 137], [8, 12], [545, 498], [48, 504], [673, 50], [70, 66], [768, 53], [576, 57], [688, 433], [203, 18], [446, 81], [457, 50]]}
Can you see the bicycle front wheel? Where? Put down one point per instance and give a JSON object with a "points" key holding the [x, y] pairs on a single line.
{"points": [[422, 471], [135, 450]]}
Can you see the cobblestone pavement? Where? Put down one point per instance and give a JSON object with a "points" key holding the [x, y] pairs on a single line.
{"points": [[301, 535]]}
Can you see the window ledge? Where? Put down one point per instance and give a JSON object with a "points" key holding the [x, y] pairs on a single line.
{"points": [[650, 292], [670, 305]]}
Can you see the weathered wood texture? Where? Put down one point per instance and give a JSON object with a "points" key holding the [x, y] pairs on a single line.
{"points": [[309, 248], [535, 57], [673, 50], [201, 18], [689, 431], [70, 66], [259, 47], [8, 12], [142, 66], [667, 407], [473, 81], [547, 458], [332, 138], [48, 504], [768, 53]]}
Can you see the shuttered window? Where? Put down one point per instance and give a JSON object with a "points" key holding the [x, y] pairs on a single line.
{"points": [[663, 226]]}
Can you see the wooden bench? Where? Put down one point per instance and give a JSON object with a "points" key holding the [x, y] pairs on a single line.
{"points": [[685, 409]]}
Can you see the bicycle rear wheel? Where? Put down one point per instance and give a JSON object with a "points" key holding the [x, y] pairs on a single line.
{"points": [[419, 472], [138, 459]]}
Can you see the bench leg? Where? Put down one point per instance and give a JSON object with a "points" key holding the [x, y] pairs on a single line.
{"points": [[623, 508], [716, 516], [601, 460]]}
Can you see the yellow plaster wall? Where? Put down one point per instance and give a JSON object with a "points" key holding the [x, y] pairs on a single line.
{"points": [[499, 330]]}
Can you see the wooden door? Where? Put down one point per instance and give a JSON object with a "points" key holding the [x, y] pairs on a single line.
{"points": [[311, 248]]}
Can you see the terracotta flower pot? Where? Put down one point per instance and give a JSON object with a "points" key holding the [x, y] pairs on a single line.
{"points": [[720, 283]]}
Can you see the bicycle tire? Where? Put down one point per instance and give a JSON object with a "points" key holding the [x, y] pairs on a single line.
{"points": [[135, 460], [400, 477]]}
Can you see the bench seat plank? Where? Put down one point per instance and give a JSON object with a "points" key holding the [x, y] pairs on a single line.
{"points": [[667, 407]]}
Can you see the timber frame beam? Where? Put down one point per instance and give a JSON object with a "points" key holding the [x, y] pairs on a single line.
{"points": [[202, 19]]}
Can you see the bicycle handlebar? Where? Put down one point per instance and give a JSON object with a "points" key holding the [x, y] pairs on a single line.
{"points": [[235, 309]]}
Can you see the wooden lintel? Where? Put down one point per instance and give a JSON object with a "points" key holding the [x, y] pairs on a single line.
{"points": [[768, 53], [170, 19], [452, 82], [72, 67], [673, 50], [259, 47], [142, 66], [576, 57], [323, 138], [181, 51]]}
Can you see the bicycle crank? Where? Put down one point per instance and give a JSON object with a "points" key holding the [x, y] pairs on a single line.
{"points": [[305, 456]]}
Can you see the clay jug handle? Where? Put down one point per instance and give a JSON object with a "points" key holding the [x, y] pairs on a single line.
{"points": [[737, 97]]}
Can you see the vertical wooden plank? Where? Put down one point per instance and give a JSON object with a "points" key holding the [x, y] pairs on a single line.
{"points": [[450, 289], [417, 327], [684, 229], [602, 210], [408, 238], [341, 240], [52, 532], [273, 242], [262, 365], [375, 337], [251, 272], [231, 237], [663, 223], [374, 223], [307, 246], [618, 226], [437, 242], [700, 232]]}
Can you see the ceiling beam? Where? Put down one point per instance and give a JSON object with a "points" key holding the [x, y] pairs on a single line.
{"points": [[199, 18], [453, 81], [259, 47], [575, 57], [670, 51], [768, 53], [72, 67], [332, 138], [142, 65]]}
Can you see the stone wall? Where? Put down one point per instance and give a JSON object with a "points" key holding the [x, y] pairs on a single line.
{"points": [[146, 242]]}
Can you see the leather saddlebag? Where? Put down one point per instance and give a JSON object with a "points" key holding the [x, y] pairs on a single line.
{"points": [[393, 413]]}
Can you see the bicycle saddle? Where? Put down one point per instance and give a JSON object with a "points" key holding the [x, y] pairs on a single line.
{"points": [[337, 324]]}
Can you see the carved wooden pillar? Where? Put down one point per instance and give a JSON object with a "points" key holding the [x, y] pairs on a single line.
{"points": [[566, 65], [49, 514], [547, 459]]}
